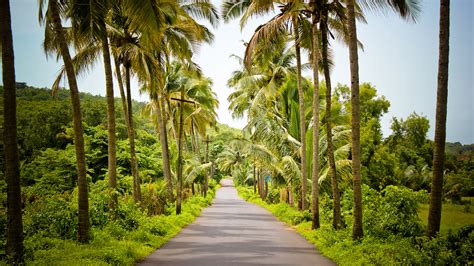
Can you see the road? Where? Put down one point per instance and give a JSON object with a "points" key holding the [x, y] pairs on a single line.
{"points": [[235, 232]]}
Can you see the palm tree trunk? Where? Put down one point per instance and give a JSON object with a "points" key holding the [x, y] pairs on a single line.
{"points": [[173, 128], [12, 162], [315, 167], [180, 156], [357, 231], [291, 200], [112, 139], [206, 176], [164, 149], [434, 215], [123, 97], [254, 178], [266, 188], [83, 202], [258, 183], [302, 114], [337, 220], [137, 193]]}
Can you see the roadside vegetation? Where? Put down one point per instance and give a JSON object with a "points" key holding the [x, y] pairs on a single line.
{"points": [[394, 231], [130, 231]]}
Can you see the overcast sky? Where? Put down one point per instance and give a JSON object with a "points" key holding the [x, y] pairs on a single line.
{"points": [[400, 60]]}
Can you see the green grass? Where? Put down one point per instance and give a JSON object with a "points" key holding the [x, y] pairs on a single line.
{"points": [[453, 216], [114, 243]]}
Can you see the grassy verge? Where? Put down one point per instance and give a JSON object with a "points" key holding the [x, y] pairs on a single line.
{"points": [[392, 249], [453, 216], [122, 241]]}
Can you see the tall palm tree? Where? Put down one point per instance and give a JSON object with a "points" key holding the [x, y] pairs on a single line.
{"points": [[407, 9], [12, 161], [290, 14], [169, 29], [89, 25], [53, 22], [191, 99], [315, 167], [434, 216], [337, 219]]}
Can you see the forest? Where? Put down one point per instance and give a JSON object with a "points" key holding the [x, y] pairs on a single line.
{"points": [[100, 180]]}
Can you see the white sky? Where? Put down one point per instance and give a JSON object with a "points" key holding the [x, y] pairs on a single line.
{"points": [[400, 60]]}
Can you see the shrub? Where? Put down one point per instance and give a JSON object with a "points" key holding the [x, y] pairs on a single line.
{"points": [[273, 196], [53, 216], [456, 248]]}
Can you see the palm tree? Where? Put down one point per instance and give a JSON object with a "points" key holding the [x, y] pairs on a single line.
{"points": [[315, 170], [407, 9], [12, 174], [290, 14], [337, 219], [53, 22], [434, 216], [195, 100], [89, 25], [169, 30]]}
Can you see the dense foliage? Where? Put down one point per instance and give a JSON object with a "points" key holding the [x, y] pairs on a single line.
{"points": [[394, 233], [49, 190]]}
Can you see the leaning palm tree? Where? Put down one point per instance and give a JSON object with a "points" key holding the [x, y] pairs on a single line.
{"points": [[89, 27], [14, 246], [434, 216], [56, 42], [168, 29], [407, 9], [290, 14]]}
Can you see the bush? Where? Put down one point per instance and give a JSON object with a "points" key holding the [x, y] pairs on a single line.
{"points": [[53, 216], [456, 248], [393, 211], [273, 196]]}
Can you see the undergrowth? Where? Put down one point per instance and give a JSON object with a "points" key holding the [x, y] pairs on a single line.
{"points": [[393, 232], [120, 238]]}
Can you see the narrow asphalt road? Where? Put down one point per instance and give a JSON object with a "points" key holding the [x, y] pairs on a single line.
{"points": [[235, 232]]}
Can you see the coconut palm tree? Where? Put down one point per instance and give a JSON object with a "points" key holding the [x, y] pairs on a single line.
{"points": [[168, 29], [290, 14], [325, 9], [56, 34], [193, 98], [434, 215], [14, 246], [89, 27], [407, 9], [315, 17]]}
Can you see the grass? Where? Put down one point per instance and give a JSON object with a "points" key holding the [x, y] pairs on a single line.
{"points": [[453, 216], [116, 243], [452, 249]]}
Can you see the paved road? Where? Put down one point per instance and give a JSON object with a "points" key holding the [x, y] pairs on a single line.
{"points": [[235, 232]]}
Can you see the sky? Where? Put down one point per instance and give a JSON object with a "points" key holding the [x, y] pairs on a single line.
{"points": [[400, 59]]}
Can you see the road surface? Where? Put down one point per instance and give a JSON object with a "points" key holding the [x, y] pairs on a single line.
{"points": [[235, 232]]}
